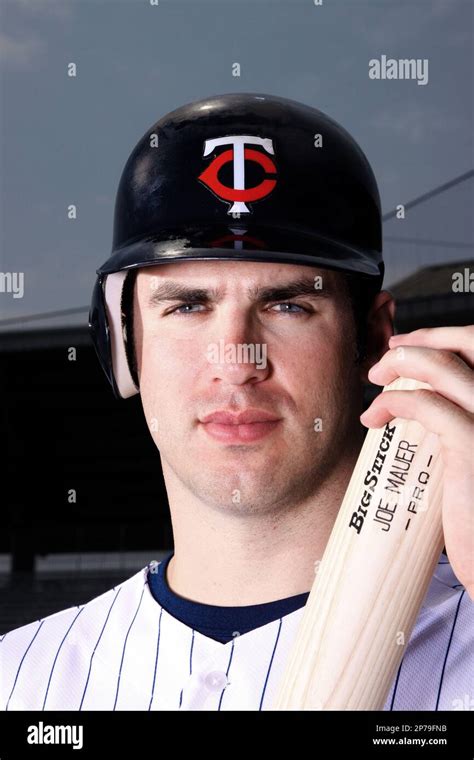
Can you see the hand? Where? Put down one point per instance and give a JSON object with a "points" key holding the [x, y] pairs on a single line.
{"points": [[444, 358]]}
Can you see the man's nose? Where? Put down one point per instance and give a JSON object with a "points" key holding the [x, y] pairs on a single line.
{"points": [[237, 353]]}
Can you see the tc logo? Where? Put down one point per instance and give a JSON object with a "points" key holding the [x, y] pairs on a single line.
{"points": [[239, 154]]}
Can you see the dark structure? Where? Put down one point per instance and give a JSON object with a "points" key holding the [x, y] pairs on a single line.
{"points": [[429, 297], [66, 433]]}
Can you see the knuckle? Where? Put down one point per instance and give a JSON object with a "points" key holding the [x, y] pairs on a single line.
{"points": [[424, 394], [423, 332], [447, 359]]}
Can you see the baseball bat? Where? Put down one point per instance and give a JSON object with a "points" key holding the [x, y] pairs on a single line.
{"points": [[374, 573]]}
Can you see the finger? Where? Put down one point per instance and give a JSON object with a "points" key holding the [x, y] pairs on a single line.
{"points": [[457, 339], [443, 370], [438, 415]]}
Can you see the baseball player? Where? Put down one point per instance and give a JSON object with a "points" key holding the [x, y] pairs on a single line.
{"points": [[243, 301]]}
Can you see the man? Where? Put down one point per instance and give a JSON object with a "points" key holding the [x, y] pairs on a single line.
{"points": [[242, 300]]}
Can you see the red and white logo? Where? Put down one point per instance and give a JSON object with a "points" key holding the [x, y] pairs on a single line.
{"points": [[239, 154]]}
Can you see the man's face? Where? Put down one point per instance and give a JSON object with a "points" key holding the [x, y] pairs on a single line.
{"points": [[275, 342]]}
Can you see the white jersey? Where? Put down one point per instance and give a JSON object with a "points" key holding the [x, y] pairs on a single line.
{"points": [[123, 651]]}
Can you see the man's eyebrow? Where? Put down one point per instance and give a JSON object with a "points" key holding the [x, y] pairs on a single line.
{"points": [[286, 291], [175, 291]]}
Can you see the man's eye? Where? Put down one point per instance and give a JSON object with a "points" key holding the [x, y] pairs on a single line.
{"points": [[186, 308], [289, 308], [194, 307]]}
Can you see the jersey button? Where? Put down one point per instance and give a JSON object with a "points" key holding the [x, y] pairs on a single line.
{"points": [[216, 681]]}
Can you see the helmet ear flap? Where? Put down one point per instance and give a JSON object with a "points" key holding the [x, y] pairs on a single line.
{"points": [[105, 324], [99, 331], [127, 314]]}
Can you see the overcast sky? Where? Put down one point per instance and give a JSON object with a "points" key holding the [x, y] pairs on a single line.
{"points": [[66, 140]]}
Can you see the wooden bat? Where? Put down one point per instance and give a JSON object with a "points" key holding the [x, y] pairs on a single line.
{"points": [[374, 573]]}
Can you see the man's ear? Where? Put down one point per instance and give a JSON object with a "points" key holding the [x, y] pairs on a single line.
{"points": [[379, 330]]}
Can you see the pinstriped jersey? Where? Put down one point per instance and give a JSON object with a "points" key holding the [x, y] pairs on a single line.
{"points": [[123, 651]]}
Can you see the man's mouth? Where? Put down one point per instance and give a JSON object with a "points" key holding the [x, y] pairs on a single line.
{"points": [[243, 427]]}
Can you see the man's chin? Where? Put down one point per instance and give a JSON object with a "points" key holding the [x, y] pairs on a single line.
{"points": [[244, 490]]}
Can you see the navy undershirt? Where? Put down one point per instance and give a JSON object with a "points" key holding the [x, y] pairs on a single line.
{"points": [[219, 623]]}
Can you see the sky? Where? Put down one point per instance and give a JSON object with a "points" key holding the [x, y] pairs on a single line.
{"points": [[65, 140]]}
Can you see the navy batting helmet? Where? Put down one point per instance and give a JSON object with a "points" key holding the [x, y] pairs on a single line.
{"points": [[236, 177]]}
